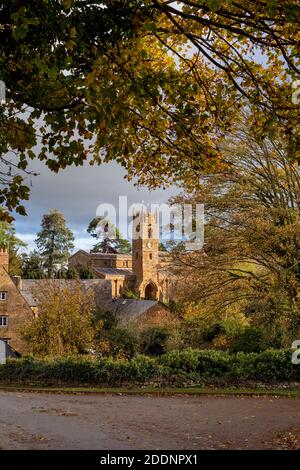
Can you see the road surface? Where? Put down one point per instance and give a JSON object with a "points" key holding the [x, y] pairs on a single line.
{"points": [[52, 421]]}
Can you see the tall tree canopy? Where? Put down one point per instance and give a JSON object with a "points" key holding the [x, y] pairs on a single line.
{"points": [[10, 242], [250, 260], [54, 241], [32, 265], [152, 84], [100, 229]]}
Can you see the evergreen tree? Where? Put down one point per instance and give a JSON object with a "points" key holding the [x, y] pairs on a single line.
{"points": [[32, 266], [111, 240], [54, 241]]}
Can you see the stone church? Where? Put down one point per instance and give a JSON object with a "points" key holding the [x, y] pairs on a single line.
{"points": [[144, 271]]}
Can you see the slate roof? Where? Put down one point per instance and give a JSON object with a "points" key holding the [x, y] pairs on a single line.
{"points": [[103, 255], [100, 286], [130, 308], [116, 272]]}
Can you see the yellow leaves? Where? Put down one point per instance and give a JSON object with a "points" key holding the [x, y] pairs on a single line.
{"points": [[72, 32], [64, 322], [67, 4], [70, 44]]}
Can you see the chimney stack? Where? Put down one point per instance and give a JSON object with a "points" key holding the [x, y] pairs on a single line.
{"points": [[4, 258]]}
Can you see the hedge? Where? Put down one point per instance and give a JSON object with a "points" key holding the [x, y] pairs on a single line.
{"points": [[190, 365]]}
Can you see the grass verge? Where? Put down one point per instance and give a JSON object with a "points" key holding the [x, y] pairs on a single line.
{"points": [[166, 391]]}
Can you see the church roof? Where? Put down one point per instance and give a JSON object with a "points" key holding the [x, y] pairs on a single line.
{"points": [[115, 272], [103, 255]]}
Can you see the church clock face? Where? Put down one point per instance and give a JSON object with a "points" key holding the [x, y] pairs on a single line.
{"points": [[149, 245]]}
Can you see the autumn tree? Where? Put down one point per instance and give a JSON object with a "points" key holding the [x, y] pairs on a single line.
{"points": [[10, 242], [64, 324], [111, 240], [149, 84], [250, 260], [54, 241], [46, 51]]}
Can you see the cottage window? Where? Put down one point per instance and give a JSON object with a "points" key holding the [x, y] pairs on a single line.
{"points": [[3, 321], [2, 295]]}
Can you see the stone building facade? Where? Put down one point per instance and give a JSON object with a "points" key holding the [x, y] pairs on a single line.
{"points": [[145, 271], [14, 309]]}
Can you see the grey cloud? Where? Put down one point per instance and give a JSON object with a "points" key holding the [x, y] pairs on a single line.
{"points": [[77, 191]]}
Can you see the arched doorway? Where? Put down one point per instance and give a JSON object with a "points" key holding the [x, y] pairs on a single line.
{"points": [[150, 291]]}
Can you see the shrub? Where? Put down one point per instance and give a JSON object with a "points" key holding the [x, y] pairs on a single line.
{"points": [[252, 340], [175, 340], [122, 342], [191, 365], [213, 331], [130, 294], [153, 340]]}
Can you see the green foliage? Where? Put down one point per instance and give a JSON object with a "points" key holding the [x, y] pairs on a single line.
{"points": [[33, 266], [213, 331], [8, 239], [161, 247], [110, 236], [86, 272], [130, 294], [153, 340], [54, 241], [270, 365], [114, 340], [250, 266], [80, 272], [12, 244], [72, 273], [64, 324], [46, 51], [252, 340], [103, 80], [15, 263], [193, 366], [122, 342], [108, 319]]}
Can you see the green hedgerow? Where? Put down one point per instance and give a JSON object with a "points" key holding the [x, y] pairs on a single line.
{"points": [[191, 364]]}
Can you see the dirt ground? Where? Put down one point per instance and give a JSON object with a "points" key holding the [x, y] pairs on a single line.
{"points": [[49, 421]]}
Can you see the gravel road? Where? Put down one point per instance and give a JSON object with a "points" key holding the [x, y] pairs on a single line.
{"points": [[51, 421]]}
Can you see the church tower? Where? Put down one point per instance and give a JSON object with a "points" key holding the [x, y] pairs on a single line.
{"points": [[145, 254]]}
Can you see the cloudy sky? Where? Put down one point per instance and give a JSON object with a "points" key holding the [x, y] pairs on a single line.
{"points": [[77, 192]]}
